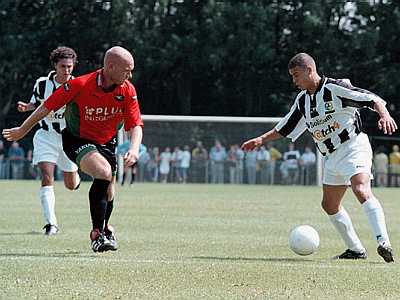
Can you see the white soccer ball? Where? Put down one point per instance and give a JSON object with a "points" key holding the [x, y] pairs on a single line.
{"points": [[304, 240]]}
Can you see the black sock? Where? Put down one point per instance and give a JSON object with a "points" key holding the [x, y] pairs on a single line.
{"points": [[110, 206], [98, 202]]}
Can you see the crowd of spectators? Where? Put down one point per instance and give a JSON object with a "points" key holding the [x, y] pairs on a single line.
{"points": [[219, 164]]}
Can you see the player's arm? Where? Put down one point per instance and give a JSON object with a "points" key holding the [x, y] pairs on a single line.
{"points": [[135, 137], [291, 126], [17, 133], [134, 123], [256, 142], [356, 97], [24, 107], [385, 122], [38, 90]]}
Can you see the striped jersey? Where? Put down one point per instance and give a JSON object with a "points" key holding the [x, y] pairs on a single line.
{"points": [[331, 114], [43, 88]]}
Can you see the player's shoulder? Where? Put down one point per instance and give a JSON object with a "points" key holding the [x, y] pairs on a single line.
{"points": [[343, 82], [301, 97], [129, 89], [43, 79], [81, 81]]}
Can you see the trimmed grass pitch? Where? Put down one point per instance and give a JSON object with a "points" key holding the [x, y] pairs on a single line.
{"points": [[189, 242]]}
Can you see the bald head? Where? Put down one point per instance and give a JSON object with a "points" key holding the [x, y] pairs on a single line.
{"points": [[302, 60], [118, 66], [117, 54]]}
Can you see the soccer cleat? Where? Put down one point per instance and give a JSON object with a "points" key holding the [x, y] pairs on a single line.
{"points": [[99, 242], [350, 254], [386, 252], [50, 229], [110, 235]]}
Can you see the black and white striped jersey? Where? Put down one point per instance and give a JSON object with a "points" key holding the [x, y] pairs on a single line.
{"points": [[331, 114], [42, 89]]}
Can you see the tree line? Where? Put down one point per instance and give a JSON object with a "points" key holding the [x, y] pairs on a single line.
{"points": [[204, 57]]}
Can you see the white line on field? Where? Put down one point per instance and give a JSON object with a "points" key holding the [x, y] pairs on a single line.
{"points": [[193, 261]]}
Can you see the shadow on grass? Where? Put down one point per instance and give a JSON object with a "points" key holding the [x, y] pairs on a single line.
{"points": [[56, 254], [21, 233], [269, 259]]}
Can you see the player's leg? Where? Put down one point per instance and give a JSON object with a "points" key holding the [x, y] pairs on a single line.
{"points": [[47, 197], [361, 185], [108, 229], [45, 155], [331, 203], [71, 180], [70, 171], [95, 165]]}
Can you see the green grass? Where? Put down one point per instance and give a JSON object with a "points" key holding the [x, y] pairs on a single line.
{"points": [[189, 242]]}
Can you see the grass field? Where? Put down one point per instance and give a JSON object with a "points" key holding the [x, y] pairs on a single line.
{"points": [[189, 242]]}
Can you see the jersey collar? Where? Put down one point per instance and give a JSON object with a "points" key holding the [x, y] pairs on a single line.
{"points": [[99, 82]]}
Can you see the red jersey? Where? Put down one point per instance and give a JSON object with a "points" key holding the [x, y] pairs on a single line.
{"points": [[93, 113]]}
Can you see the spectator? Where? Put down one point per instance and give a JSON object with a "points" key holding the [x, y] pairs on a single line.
{"points": [[394, 160], [2, 160], [185, 163], [165, 161], [152, 165], [217, 159], [231, 163], [290, 165], [275, 156], [307, 166], [199, 168], [239, 165], [381, 167], [263, 163], [30, 168], [16, 156], [251, 166], [142, 166], [176, 159]]}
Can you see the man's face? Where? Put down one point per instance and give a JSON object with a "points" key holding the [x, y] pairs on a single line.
{"points": [[301, 77], [64, 68], [121, 71]]}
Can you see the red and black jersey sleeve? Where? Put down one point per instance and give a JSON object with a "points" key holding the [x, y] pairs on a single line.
{"points": [[132, 115], [63, 95]]}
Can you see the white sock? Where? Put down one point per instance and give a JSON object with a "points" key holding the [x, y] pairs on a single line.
{"points": [[376, 219], [342, 222], [47, 198]]}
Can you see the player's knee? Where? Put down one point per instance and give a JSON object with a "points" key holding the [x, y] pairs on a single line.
{"points": [[329, 207], [104, 172], [361, 191], [47, 179], [70, 185]]}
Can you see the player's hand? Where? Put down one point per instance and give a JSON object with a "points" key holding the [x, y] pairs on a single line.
{"points": [[387, 124], [13, 134], [130, 158], [252, 144], [22, 106]]}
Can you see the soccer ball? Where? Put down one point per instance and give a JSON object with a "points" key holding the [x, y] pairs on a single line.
{"points": [[304, 240]]}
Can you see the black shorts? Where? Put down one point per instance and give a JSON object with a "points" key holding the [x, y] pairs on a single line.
{"points": [[76, 148]]}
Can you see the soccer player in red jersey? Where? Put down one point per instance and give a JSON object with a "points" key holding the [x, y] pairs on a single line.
{"points": [[97, 104]]}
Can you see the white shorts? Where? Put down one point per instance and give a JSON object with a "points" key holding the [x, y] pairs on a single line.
{"points": [[47, 147], [353, 157]]}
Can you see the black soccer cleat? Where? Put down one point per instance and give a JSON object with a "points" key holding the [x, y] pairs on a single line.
{"points": [[50, 229], [386, 252], [350, 254], [99, 242], [109, 232]]}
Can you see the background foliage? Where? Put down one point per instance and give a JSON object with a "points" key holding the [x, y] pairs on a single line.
{"points": [[204, 57]]}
